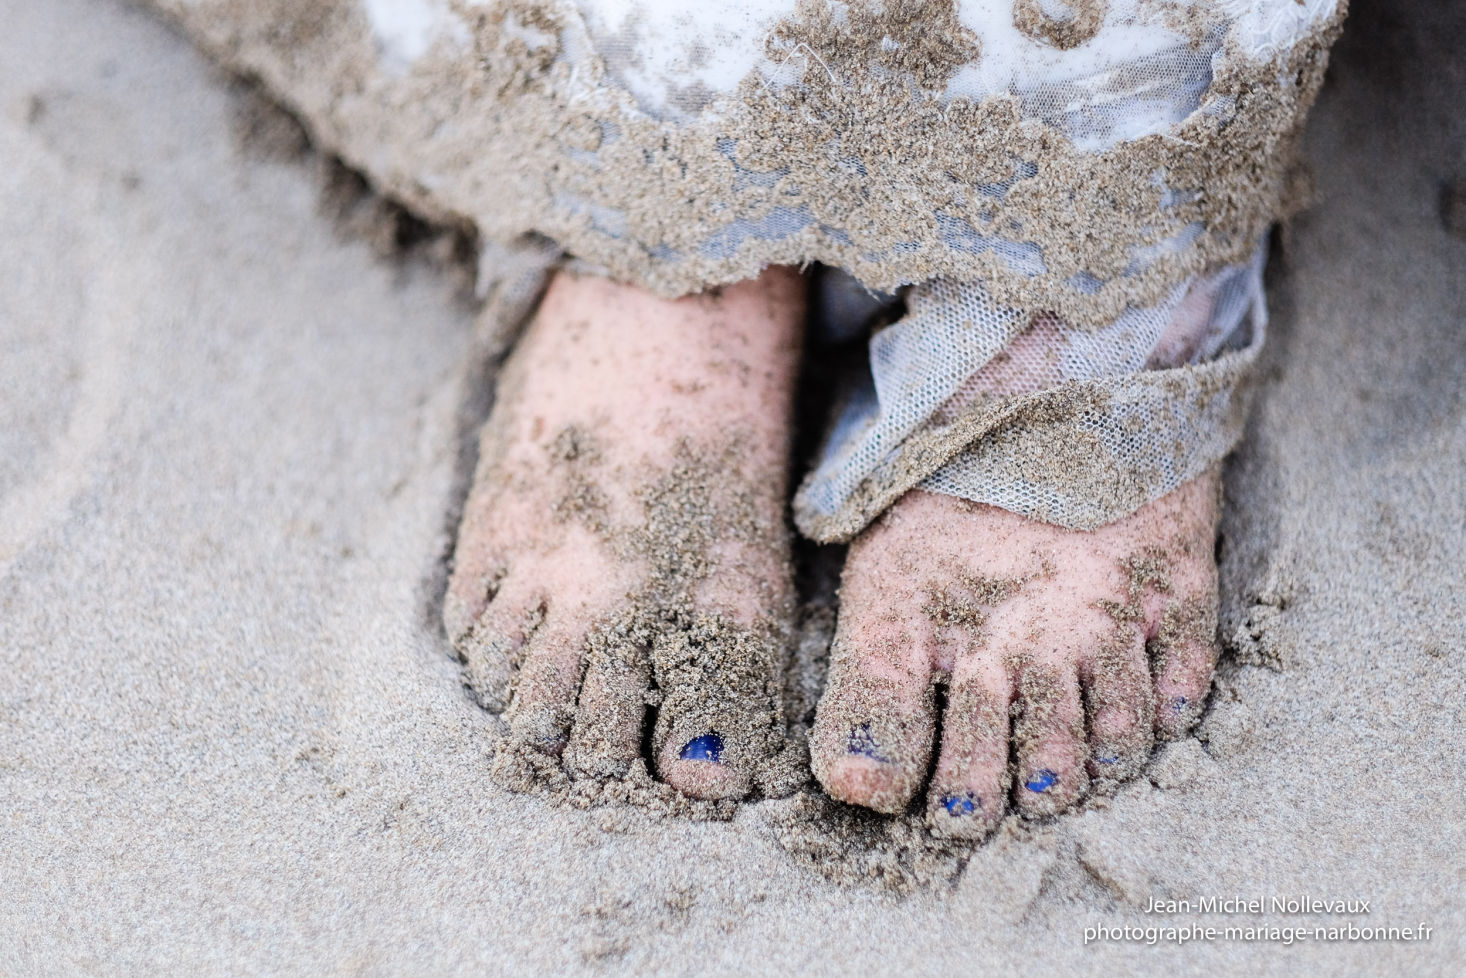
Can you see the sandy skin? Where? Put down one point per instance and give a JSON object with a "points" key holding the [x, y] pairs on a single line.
{"points": [[624, 546], [624, 549], [1071, 650], [975, 634]]}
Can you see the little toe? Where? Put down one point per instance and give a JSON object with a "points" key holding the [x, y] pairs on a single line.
{"points": [[1183, 658], [969, 790], [1049, 733], [479, 571], [492, 645], [475, 582], [1120, 705], [872, 734]]}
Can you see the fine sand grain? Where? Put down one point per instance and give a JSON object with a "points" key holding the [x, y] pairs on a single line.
{"points": [[233, 739]]}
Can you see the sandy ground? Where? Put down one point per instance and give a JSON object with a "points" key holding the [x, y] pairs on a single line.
{"points": [[232, 739]]}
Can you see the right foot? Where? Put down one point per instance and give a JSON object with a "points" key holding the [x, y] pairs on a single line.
{"points": [[624, 544]]}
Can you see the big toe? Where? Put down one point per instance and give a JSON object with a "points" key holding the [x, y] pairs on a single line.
{"points": [[873, 731], [719, 722], [701, 767]]}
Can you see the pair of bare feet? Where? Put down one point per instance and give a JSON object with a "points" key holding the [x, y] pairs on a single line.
{"points": [[624, 554]]}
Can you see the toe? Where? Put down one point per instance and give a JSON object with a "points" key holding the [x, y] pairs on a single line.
{"points": [[1119, 703], [492, 644], [969, 789], [872, 733], [699, 768], [719, 721], [476, 580], [542, 700], [1049, 733], [1183, 656], [611, 712], [479, 564]]}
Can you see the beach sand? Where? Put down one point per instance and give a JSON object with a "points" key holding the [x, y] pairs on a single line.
{"points": [[233, 395]]}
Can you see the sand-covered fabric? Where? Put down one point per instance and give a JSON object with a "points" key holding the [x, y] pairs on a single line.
{"points": [[1076, 157], [1094, 161], [1076, 427], [233, 740]]}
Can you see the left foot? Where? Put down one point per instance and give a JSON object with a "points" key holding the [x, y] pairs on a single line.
{"points": [[1093, 642]]}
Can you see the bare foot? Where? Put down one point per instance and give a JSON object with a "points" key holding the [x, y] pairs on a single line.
{"points": [[1067, 651], [624, 547], [1090, 643]]}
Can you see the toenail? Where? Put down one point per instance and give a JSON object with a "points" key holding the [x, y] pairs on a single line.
{"points": [[1042, 781], [708, 747], [963, 804], [862, 744], [1108, 759], [1178, 704]]}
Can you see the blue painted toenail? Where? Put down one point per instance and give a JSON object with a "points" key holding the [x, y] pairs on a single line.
{"points": [[963, 804], [1110, 759], [1178, 704], [862, 744], [708, 747], [1042, 781]]}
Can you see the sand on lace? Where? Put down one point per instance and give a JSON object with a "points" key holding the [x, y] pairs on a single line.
{"points": [[515, 129], [505, 134], [661, 654]]}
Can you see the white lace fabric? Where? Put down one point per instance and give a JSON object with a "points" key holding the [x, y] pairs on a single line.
{"points": [[1081, 425], [1087, 172], [1147, 422]]}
